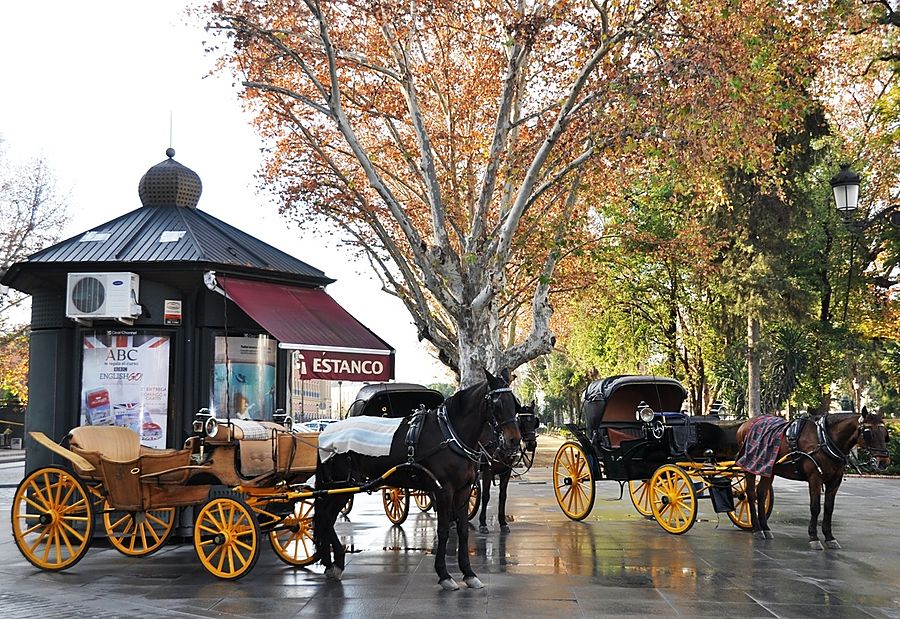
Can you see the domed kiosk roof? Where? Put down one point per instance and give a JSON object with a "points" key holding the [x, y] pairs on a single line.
{"points": [[168, 233], [169, 183]]}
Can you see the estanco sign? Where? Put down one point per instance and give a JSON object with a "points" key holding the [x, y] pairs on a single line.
{"points": [[342, 366]]}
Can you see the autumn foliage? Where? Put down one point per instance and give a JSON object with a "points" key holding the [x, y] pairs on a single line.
{"points": [[14, 364], [474, 151]]}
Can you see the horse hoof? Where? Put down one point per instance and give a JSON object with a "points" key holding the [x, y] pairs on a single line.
{"points": [[483, 529], [832, 544], [769, 534], [449, 584], [816, 545], [334, 573], [759, 535], [504, 528], [472, 582]]}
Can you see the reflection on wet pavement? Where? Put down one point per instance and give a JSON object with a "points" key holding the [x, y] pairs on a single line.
{"points": [[614, 563]]}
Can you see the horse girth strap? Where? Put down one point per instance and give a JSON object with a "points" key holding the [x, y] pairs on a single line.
{"points": [[412, 433], [792, 433]]}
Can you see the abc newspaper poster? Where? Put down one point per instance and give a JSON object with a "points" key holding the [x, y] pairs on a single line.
{"points": [[125, 382]]}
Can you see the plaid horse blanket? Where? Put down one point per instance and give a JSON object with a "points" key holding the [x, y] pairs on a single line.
{"points": [[370, 436], [761, 445]]}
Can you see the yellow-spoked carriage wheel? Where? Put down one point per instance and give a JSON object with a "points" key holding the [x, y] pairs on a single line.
{"points": [[573, 482], [640, 491], [673, 499], [52, 518], [740, 517], [293, 540], [138, 534], [396, 504], [422, 499], [226, 537], [474, 499]]}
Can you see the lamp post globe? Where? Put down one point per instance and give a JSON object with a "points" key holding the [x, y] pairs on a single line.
{"points": [[845, 185]]}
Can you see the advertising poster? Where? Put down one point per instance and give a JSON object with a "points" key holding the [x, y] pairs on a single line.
{"points": [[125, 382], [244, 377]]}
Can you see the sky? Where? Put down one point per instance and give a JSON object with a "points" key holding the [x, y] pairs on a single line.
{"points": [[91, 87]]}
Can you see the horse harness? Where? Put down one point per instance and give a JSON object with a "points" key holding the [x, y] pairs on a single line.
{"points": [[825, 444], [451, 438]]}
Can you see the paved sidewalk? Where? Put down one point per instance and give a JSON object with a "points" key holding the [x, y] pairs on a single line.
{"points": [[615, 563]]}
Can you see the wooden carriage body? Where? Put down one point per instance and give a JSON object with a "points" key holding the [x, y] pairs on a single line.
{"points": [[132, 477]]}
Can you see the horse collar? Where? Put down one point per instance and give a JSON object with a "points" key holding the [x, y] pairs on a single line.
{"points": [[452, 439], [412, 433], [825, 442]]}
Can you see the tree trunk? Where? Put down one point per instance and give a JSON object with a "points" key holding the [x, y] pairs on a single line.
{"points": [[477, 351], [753, 379]]}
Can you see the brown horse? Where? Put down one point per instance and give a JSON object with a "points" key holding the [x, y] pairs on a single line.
{"points": [[818, 456], [441, 460], [501, 465]]}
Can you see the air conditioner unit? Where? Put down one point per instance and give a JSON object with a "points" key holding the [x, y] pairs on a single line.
{"points": [[103, 295]]}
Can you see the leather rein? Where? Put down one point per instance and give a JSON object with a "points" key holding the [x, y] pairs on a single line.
{"points": [[451, 437]]}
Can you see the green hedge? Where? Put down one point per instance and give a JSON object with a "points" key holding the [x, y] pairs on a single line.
{"points": [[894, 449]]}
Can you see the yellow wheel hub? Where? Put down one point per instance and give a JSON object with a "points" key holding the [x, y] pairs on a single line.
{"points": [[573, 482], [226, 537], [673, 499]]}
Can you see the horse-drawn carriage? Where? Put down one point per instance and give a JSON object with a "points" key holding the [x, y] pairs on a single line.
{"points": [[401, 400], [395, 400], [637, 434], [245, 479]]}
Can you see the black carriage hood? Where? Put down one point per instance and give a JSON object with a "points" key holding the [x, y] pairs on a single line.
{"points": [[393, 399], [659, 392], [604, 388]]}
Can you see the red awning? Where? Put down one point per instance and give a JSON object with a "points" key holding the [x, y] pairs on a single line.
{"points": [[333, 344]]}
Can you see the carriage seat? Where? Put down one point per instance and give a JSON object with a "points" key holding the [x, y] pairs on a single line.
{"points": [[617, 436], [251, 430], [119, 445], [114, 443]]}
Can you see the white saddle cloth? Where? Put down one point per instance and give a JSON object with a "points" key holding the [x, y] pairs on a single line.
{"points": [[369, 436]]}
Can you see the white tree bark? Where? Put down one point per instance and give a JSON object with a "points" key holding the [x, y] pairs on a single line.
{"points": [[448, 277], [753, 371]]}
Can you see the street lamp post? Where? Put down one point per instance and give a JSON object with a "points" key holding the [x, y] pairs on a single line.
{"points": [[845, 186], [340, 414]]}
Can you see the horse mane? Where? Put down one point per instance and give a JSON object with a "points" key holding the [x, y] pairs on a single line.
{"points": [[452, 403]]}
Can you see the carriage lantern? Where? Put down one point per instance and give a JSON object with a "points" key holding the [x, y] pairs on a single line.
{"points": [[845, 185], [644, 413]]}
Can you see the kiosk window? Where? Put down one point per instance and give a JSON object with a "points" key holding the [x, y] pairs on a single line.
{"points": [[243, 380]]}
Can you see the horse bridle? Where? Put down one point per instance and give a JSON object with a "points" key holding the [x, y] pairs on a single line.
{"points": [[492, 396], [865, 430], [456, 443]]}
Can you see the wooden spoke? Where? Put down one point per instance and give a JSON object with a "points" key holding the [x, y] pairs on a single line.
{"points": [[573, 482]]}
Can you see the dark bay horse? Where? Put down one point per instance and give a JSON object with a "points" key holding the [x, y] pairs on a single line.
{"points": [[819, 458], [502, 463], [444, 461]]}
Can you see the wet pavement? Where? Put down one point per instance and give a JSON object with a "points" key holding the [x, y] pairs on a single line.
{"points": [[615, 563]]}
